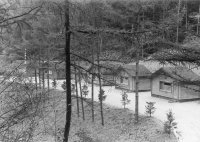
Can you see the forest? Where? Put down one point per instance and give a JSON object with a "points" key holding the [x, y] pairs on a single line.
{"points": [[40, 38]]}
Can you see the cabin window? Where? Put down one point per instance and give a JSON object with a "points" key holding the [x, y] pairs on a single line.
{"points": [[165, 86], [50, 72], [121, 79]]}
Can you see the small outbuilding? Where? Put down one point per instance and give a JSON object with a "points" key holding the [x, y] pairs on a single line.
{"points": [[126, 76], [177, 83], [108, 73]]}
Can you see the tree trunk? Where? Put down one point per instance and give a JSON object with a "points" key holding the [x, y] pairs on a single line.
{"points": [[76, 85], [100, 87], [163, 17], [177, 30], [136, 74], [153, 12], [48, 83], [186, 15], [35, 72], [43, 78], [137, 87], [92, 85], [39, 69], [68, 75], [82, 105], [36, 85], [198, 21]]}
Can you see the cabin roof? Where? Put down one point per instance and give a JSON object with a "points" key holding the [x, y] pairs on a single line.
{"points": [[178, 73], [110, 68], [131, 69]]}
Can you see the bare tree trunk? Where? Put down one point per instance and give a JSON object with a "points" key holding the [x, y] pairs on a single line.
{"points": [[92, 85], [137, 87], [143, 23], [136, 76], [36, 85], [163, 17], [68, 75], [198, 17], [35, 72], [76, 85], [39, 69], [100, 87], [55, 125], [186, 15], [82, 105], [48, 83], [43, 78], [177, 30], [153, 12]]}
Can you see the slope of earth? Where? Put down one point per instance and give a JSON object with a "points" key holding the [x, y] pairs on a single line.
{"points": [[119, 125]]}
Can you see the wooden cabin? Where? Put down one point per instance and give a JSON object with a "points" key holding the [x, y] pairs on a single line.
{"points": [[56, 70], [108, 73], [126, 76], [177, 83]]}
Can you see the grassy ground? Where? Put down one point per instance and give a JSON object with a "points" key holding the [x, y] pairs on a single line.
{"points": [[119, 124]]}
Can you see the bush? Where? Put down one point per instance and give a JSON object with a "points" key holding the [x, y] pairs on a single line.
{"points": [[150, 109], [125, 101], [85, 90], [170, 125], [64, 85], [54, 83], [102, 95]]}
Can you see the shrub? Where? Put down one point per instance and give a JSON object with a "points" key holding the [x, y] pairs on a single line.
{"points": [[170, 125], [54, 83], [64, 85], [125, 101], [150, 109], [85, 90], [102, 95], [72, 86]]}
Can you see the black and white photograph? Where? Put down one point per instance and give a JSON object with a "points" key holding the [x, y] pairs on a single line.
{"points": [[99, 70]]}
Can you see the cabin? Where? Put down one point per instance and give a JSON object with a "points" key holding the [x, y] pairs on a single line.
{"points": [[84, 66], [107, 71], [176, 83], [126, 76], [56, 70]]}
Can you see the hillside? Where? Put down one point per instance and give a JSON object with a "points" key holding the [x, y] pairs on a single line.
{"points": [[119, 125]]}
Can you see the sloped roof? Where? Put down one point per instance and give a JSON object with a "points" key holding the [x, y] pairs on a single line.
{"points": [[114, 55], [131, 69], [110, 65], [110, 68], [179, 73]]}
